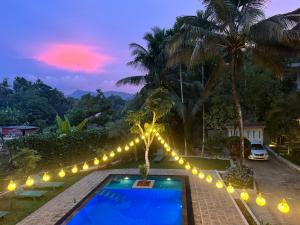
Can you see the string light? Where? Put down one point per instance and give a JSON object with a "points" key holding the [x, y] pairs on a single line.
{"points": [[173, 154], [112, 154], [85, 166], [96, 161], [11, 186], [74, 169], [187, 166], [131, 144], [46, 177], [245, 196], [176, 158], [168, 149], [61, 173], [283, 206], [119, 149], [260, 200], [194, 171], [201, 175], [219, 184], [162, 142], [157, 134], [104, 157], [29, 181], [159, 138], [126, 148], [209, 179], [166, 145], [181, 161], [230, 189], [137, 140]]}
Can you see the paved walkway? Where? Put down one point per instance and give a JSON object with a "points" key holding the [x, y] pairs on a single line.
{"points": [[276, 181], [211, 206]]}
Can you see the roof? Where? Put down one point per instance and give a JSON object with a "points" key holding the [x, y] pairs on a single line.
{"points": [[20, 127]]}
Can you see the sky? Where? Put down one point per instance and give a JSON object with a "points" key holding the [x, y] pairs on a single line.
{"points": [[83, 44]]}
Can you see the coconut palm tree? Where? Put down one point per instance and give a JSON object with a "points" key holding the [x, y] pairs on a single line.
{"points": [[237, 32]]}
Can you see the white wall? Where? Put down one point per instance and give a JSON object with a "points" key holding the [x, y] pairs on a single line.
{"points": [[253, 134]]}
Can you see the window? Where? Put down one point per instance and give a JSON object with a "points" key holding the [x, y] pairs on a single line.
{"points": [[259, 134], [248, 134], [253, 133]]}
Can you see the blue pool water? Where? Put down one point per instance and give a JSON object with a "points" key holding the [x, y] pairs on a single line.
{"points": [[118, 204]]}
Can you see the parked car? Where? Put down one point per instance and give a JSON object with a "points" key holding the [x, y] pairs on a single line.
{"points": [[258, 152]]}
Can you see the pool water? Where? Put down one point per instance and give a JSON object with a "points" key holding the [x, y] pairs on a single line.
{"points": [[118, 204]]}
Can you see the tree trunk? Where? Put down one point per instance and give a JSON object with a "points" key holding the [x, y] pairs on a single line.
{"points": [[203, 117], [147, 162], [182, 101], [238, 108]]}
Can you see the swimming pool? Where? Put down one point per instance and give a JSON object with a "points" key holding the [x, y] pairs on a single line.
{"points": [[115, 202]]}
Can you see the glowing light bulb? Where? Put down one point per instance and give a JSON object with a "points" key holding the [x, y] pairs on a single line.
{"points": [[126, 178], [166, 145], [46, 177], [61, 173], [283, 206], [168, 179], [181, 161], [168, 149], [74, 169], [11, 186], [219, 184], [137, 140], [119, 149], [260, 200], [173, 154], [209, 179], [85, 166], [187, 166], [126, 148], [96, 161], [29, 182], [143, 137], [159, 138], [162, 142], [104, 157], [146, 134], [194, 171], [245, 196], [131, 144], [201, 175], [112, 154], [156, 134], [176, 158], [230, 189]]}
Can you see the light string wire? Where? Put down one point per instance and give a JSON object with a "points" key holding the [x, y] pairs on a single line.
{"points": [[260, 200]]}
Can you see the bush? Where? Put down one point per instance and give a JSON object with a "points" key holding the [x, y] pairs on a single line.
{"points": [[26, 160], [216, 143], [233, 144], [240, 177]]}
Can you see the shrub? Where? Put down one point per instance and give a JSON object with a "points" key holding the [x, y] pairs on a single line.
{"points": [[233, 144], [26, 160], [240, 177]]}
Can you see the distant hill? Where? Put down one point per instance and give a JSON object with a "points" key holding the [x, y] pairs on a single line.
{"points": [[78, 93]]}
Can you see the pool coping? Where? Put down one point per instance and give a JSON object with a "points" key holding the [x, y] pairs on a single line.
{"points": [[187, 214]]}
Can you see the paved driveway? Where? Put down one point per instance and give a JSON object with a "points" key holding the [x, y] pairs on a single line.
{"points": [[276, 181]]}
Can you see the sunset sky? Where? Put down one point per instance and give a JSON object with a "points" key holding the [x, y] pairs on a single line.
{"points": [[83, 44]]}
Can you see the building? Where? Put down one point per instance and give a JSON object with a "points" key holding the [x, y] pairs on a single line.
{"points": [[17, 131], [253, 132], [296, 67]]}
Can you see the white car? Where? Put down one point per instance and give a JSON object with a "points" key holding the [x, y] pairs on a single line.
{"points": [[258, 152]]}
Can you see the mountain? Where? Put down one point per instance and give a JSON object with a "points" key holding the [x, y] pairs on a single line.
{"points": [[78, 93]]}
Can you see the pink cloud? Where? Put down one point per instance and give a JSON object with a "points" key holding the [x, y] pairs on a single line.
{"points": [[74, 57]]}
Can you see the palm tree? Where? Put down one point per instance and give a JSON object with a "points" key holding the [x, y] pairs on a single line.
{"points": [[151, 60], [238, 31]]}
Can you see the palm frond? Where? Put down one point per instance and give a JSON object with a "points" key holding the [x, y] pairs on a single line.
{"points": [[133, 80]]}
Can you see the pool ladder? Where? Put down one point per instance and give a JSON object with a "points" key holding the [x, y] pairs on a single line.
{"points": [[111, 195]]}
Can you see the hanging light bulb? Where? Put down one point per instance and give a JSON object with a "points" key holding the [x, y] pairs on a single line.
{"points": [[181, 161], [146, 134], [137, 140], [46, 177], [173, 154], [159, 138], [194, 171], [156, 134], [219, 184], [104, 157], [119, 149], [112, 154], [61, 173], [143, 137], [283, 206], [168, 149], [166, 145], [176, 158], [201, 175], [85, 166], [187, 166], [11, 186], [162, 142], [126, 148], [29, 182], [131, 144], [74, 169], [260, 200], [230, 189], [245, 196], [209, 179], [96, 161]]}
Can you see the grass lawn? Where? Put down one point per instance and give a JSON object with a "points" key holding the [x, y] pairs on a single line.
{"points": [[205, 164], [20, 208]]}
